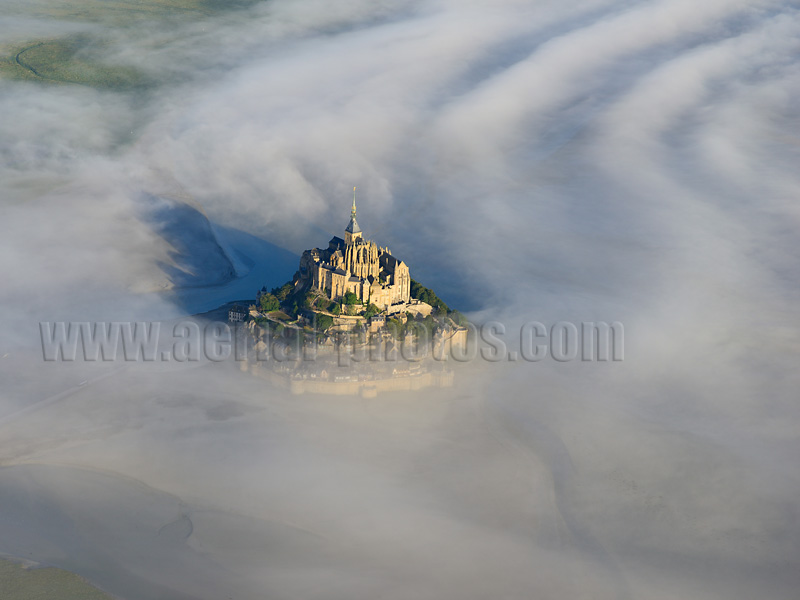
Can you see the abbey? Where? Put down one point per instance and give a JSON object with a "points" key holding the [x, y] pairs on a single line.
{"points": [[359, 266]]}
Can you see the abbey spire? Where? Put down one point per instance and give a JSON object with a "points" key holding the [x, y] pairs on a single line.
{"points": [[353, 231]]}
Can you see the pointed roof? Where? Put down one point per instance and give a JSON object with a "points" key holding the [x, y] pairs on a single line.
{"points": [[353, 227]]}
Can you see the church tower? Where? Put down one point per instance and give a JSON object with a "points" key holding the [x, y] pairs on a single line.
{"points": [[353, 231]]}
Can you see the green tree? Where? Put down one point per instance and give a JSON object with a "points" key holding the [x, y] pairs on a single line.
{"points": [[324, 322], [334, 308], [395, 327], [427, 295], [459, 319], [269, 303], [281, 293], [371, 311], [430, 324], [350, 298]]}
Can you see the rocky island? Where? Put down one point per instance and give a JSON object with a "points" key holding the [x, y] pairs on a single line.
{"points": [[352, 320]]}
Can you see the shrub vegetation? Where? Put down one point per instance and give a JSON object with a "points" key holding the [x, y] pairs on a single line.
{"points": [[427, 295], [269, 303]]}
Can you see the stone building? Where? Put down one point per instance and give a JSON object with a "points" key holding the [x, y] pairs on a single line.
{"points": [[237, 314], [356, 265]]}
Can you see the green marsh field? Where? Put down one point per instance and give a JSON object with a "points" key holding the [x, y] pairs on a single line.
{"points": [[23, 583], [82, 56]]}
